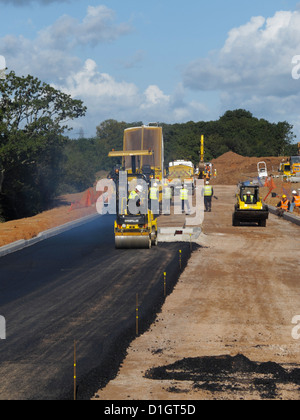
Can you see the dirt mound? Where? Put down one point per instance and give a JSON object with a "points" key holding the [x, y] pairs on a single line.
{"points": [[233, 168]]}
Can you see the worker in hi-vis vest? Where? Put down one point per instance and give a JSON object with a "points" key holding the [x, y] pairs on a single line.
{"points": [[208, 193], [134, 200], [167, 197], [184, 197], [295, 201], [283, 206], [154, 199]]}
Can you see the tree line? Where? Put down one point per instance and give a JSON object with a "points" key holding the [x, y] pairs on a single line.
{"points": [[33, 120], [238, 131], [39, 161]]}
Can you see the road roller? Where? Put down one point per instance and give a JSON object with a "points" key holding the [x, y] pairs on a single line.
{"points": [[135, 225], [250, 207], [135, 231]]}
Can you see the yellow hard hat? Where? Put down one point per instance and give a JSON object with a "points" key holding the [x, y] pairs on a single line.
{"points": [[284, 196]]}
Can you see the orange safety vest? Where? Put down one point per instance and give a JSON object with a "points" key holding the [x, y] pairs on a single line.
{"points": [[297, 200], [285, 205]]}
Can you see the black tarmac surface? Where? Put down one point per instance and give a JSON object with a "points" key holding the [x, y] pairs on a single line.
{"points": [[77, 286]]}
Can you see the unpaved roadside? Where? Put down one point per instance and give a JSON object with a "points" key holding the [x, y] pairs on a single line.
{"points": [[228, 323], [30, 227]]}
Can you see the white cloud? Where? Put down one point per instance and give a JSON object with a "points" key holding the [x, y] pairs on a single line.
{"points": [[154, 97], [51, 54], [254, 56], [253, 69], [101, 87], [52, 57], [98, 26], [106, 97]]}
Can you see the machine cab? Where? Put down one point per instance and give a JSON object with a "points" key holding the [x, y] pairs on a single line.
{"points": [[251, 198]]}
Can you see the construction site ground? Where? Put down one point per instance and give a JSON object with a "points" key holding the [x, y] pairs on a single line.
{"points": [[226, 330]]}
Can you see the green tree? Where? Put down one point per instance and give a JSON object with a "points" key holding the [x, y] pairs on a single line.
{"points": [[110, 136], [33, 119], [82, 160]]}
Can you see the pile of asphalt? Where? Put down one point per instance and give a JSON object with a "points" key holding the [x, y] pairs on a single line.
{"points": [[227, 374]]}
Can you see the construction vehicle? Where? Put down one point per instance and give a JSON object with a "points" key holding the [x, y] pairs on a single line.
{"points": [[291, 168], [181, 172], [262, 170], [249, 207], [204, 170], [201, 166], [143, 152], [134, 231], [285, 169], [143, 163], [295, 165]]}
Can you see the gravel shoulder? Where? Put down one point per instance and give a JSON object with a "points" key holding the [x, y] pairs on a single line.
{"points": [[226, 330]]}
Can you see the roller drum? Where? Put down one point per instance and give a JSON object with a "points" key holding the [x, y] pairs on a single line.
{"points": [[133, 242]]}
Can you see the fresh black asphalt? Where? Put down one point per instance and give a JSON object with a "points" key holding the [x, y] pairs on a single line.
{"points": [[77, 287]]}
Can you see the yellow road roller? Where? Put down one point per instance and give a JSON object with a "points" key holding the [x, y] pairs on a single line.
{"points": [[135, 231], [135, 225]]}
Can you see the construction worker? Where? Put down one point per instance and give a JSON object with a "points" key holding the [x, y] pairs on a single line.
{"points": [[184, 197], [135, 193], [295, 201], [208, 193], [154, 199], [248, 198], [283, 206], [167, 197], [207, 175], [134, 199]]}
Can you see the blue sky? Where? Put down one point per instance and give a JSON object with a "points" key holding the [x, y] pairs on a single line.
{"points": [[168, 60]]}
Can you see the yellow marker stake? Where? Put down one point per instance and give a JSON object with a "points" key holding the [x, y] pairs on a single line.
{"points": [[180, 259], [165, 278], [74, 370]]}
